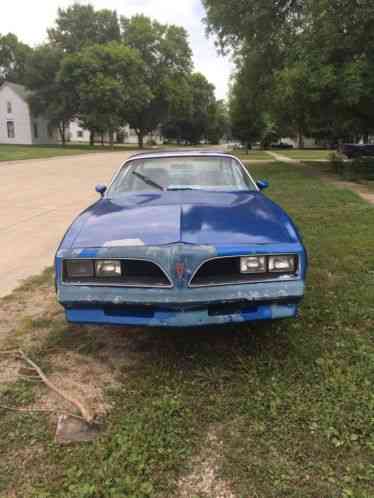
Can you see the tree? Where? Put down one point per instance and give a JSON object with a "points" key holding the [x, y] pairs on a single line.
{"points": [[13, 58], [107, 79], [203, 100], [167, 62], [194, 124], [267, 26], [219, 122], [50, 97], [245, 114], [318, 55], [79, 26]]}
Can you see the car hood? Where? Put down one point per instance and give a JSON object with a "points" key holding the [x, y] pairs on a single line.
{"points": [[192, 217]]}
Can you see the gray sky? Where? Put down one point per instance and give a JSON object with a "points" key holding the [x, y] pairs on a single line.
{"points": [[29, 21]]}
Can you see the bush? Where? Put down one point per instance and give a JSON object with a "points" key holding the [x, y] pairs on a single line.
{"points": [[336, 162], [356, 170]]}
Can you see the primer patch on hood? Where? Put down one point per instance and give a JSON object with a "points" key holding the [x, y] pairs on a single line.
{"points": [[124, 243]]}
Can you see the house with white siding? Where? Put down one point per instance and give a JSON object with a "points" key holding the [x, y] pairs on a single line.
{"points": [[76, 133], [17, 123], [19, 126]]}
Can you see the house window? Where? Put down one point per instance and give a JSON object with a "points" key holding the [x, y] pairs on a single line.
{"points": [[80, 134], [9, 107], [11, 129], [36, 131]]}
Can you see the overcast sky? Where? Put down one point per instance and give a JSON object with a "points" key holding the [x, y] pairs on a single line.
{"points": [[29, 21]]}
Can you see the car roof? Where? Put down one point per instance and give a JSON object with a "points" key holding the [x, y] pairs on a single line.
{"points": [[177, 152]]}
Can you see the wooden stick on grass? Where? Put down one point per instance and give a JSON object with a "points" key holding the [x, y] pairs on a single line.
{"points": [[84, 411]]}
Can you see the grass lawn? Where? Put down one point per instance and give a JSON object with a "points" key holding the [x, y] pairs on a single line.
{"points": [[305, 154], [267, 410], [253, 155], [20, 152]]}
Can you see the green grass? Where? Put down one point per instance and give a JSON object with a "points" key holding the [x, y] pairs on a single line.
{"points": [[253, 155], [305, 154], [291, 402], [22, 152]]}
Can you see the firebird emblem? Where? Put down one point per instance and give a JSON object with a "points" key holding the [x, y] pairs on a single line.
{"points": [[179, 268]]}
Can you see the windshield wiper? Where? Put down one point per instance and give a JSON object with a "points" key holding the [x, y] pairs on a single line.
{"points": [[148, 180]]}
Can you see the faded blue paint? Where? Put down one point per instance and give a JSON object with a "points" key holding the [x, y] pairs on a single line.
{"points": [[73, 295], [180, 319], [192, 217], [187, 227]]}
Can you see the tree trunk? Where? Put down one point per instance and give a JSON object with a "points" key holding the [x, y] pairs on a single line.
{"points": [[102, 139], [61, 129], [366, 138], [140, 139], [301, 139], [111, 138], [92, 137]]}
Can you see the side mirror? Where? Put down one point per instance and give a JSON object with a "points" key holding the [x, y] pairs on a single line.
{"points": [[101, 189], [262, 184]]}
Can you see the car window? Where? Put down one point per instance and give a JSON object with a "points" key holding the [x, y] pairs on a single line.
{"points": [[181, 173]]}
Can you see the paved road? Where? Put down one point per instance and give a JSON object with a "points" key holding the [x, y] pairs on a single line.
{"points": [[38, 201]]}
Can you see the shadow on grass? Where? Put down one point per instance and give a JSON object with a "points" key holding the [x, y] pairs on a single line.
{"points": [[178, 350]]}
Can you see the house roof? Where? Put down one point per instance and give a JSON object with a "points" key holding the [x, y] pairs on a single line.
{"points": [[20, 90]]}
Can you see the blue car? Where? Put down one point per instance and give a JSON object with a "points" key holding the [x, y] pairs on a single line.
{"points": [[181, 239]]}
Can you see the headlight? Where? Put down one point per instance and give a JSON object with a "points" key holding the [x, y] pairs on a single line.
{"points": [[253, 264], [282, 264], [79, 268], [108, 268]]}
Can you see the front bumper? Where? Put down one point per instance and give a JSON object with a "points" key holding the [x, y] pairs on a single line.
{"points": [[180, 319], [182, 307]]}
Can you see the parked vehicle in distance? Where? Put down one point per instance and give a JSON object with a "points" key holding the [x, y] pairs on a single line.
{"points": [[181, 239], [282, 145], [242, 147], [357, 150]]}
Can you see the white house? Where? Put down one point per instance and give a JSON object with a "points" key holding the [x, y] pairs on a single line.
{"points": [[76, 133], [17, 124], [309, 143]]}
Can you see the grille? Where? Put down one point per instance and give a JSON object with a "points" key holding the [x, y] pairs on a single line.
{"points": [[135, 273], [226, 271]]}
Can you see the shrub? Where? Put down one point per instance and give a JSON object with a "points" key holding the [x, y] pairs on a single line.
{"points": [[358, 169], [336, 162]]}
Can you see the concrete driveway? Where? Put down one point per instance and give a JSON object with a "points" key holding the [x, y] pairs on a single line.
{"points": [[38, 201]]}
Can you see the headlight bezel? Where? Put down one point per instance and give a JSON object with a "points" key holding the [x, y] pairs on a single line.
{"points": [[69, 264], [290, 258], [270, 264], [116, 273], [262, 265], [92, 263]]}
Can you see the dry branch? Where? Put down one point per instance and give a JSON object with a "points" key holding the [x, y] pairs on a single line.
{"points": [[85, 412], [37, 410]]}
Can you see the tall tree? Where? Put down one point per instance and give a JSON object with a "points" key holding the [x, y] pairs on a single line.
{"points": [[107, 79], [219, 122], [194, 124], [80, 25], [167, 62], [50, 97], [13, 58], [268, 25], [318, 55]]}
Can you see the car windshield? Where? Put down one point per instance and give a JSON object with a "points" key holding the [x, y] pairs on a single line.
{"points": [[216, 173]]}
